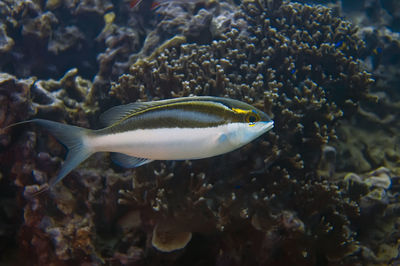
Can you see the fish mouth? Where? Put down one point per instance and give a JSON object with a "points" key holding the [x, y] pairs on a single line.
{"points": [[268, 125]]}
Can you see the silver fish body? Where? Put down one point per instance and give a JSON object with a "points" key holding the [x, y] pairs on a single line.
{"points": [[173, 129]]}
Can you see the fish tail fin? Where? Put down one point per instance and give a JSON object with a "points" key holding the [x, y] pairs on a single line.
{"points": [[16, 124], [73, 138]]}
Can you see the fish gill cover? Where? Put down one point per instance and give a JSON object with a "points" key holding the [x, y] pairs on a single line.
{"points": [[320, 189]]}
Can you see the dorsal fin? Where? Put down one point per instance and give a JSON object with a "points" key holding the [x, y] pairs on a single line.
{"points": [[117, 113]]}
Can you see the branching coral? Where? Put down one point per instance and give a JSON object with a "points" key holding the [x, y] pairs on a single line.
{"points": [[296, 73], [267, 203], [296, 62]]}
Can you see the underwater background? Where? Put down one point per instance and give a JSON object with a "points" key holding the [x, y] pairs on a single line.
{"points": [[321, 188]]}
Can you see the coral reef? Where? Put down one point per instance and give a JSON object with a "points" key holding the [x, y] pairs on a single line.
{"points": [[284, 72], [21, 164], [364, 147], [375, 194], [320, 189], [46, 39]]}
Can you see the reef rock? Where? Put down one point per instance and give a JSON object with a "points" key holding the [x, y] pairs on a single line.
{"points": [[285, 199]]}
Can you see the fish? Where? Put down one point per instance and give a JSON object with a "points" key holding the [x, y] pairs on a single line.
{"points": [[138, 133], [158, 3]]}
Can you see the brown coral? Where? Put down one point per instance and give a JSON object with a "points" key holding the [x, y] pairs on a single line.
{"points": [[167, 238], [263, 204], [287, 62]]}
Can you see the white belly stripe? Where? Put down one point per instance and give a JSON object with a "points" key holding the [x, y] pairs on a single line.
{"points": [[168, 143]]}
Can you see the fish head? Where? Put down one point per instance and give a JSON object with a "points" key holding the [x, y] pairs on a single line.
{"points": [[250, 124]]}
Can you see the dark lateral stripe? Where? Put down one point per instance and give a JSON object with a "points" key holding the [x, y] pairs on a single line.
{"points": [[189, 112], [194, 104], [123, 112], [186, 115]]}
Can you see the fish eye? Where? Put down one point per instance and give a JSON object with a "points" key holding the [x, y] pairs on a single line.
{"points": [[252, 118]]}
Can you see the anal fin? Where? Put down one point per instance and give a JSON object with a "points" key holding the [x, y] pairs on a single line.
{"points": [[127, 161]]}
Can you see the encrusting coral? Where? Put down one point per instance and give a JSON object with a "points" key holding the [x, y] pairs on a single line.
{"points": [[46, 38], [276, 201], [21, 164], [167, 238]]}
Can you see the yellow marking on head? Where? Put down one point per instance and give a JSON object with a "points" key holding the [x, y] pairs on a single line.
{"points": [[241, 111], [251, 116]]}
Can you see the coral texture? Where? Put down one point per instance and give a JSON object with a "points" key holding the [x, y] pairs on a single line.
{"points": [[306, 193]]}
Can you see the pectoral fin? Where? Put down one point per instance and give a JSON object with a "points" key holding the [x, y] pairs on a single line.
{"points": [[127, 161]]}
